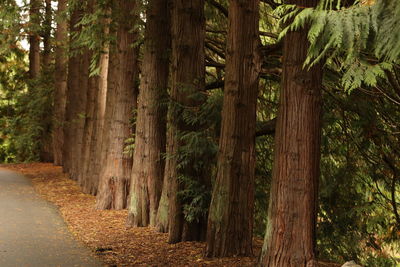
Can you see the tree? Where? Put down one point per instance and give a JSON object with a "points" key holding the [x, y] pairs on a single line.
{"points": [[87, 184], [34, 39], [46, 153], [188, 73], [92, 167], [61, 61], [48, 18], [230, 221], [77, 84], [290, 234], [148, 163], [121, 101], [85, 181]]}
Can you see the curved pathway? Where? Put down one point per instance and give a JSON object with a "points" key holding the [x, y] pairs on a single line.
{"points": [[32, 232]]}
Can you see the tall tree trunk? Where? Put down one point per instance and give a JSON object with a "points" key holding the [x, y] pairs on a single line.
{"points": [[93, 168], [230, 221], [60, 92], [121, 100], [188, 72], [47, 35], [290, 233], [46, 150], [77, 82], [89, 112], [148, 163], [34, 39], [90, 121]]}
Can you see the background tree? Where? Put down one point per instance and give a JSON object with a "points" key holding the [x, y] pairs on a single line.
{"points": [[34, 38], [78, 67], [61, 61], [121, 101], [188, 73], [148, 162]]}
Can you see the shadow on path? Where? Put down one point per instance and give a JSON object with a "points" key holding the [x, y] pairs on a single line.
{"points": [[32, 232]]}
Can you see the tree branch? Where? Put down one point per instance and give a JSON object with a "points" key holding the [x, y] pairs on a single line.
{"points": [[218, 6], [215, 50], [215, 85], [266, 128]]}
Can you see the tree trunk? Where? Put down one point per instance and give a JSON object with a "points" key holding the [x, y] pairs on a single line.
{"points": [[93, 168], [230, 221], [34, 39], [163, 207], [188, 72], [78, 74], [88, 121], [47, 35], [46, 149], [290, 233], [148, 163], [121, 100], [60, 83], [85, 180]]}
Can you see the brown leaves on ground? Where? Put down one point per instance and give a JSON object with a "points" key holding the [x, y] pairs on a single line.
{"points": [[104, 231]]}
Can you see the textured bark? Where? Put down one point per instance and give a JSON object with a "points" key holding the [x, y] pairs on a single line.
{"points": [[163, 207], [148, 163], [290, 234], [88, 120], [34, 39], [96, 154], [47, 35], [188, 73], [83, 179], [230, 221], [121, 100], [60, 91], [77, 83]]}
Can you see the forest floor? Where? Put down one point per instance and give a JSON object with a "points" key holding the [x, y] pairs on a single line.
{"points": [[105, 232]]}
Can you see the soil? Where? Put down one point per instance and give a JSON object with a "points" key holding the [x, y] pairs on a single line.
{"points": [[105, 232]]}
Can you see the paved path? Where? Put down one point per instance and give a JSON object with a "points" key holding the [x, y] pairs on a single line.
{"points": [[32, 233]]}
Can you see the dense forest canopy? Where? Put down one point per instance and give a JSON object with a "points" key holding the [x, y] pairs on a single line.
{"points": [[217, 120]]}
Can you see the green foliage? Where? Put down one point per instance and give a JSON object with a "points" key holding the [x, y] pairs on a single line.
{"points": [[196, 156], [361, 40], [25, 106], [356, 219], [30, 124], [9, 27]]}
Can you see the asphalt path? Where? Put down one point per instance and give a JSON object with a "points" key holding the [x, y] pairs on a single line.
{"points": [[32, 232]]}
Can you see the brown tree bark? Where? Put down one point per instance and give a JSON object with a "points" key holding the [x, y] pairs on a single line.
{"points": [[162, 219], [89, 117], [47, 35], [290, 233], [83, 179], [148, 163], [60, 92], [188, 72], [230, 221], [34, 39], [77, 83], [96, 154], [121, 101], [46, 149]]}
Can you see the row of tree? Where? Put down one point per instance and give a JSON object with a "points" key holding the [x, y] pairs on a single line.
{"points": [[169, 108], [92, 115]]}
